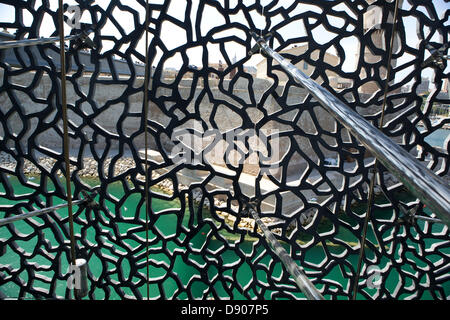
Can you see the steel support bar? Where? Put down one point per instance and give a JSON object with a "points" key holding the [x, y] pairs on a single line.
{"points": [[36, 213], [429, 219], [304, 284], [410, 215], [419, 180], [34, 42]]}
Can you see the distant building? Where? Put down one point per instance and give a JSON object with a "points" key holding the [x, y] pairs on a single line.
{"points": [[251, 70], [445, 86], [169, 73], [443, 108], [219, 67], [423, 87], [234, 70], [372, 21], [406, 89]]}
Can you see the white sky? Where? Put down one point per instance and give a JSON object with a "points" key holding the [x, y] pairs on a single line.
{"points": [[173, 36]]}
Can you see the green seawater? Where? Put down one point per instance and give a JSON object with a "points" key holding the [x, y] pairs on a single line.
{"points": [[164, 234]]}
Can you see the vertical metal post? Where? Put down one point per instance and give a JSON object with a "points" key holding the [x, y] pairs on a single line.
{"points": [[65, 127], [146, 143], [81, 288]]}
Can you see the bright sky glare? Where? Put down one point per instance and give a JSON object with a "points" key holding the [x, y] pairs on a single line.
{"points": [[173, 36]]}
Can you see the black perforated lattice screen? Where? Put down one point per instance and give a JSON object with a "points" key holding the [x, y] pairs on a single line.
{"points": [[220, 123]]}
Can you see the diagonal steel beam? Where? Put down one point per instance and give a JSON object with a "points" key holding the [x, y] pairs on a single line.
{"points": [[303, 282], [418, 179]]}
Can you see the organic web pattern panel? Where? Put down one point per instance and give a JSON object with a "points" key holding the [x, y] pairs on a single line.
{"points": [[225, 128]]}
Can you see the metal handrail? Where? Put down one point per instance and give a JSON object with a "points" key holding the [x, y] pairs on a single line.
{"points": [[418, 179]]}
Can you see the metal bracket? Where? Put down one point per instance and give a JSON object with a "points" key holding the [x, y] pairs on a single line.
{"points": [[436, 60], [257, 48], [89, 202], [410, 217], [83, 41], [249, 204]]}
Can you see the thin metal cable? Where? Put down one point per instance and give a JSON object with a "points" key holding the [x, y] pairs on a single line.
{"points": [[34, 213], [34, 42], [375, 169], [146, 113], [66, 135], [65, 128], [261, 31]]}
